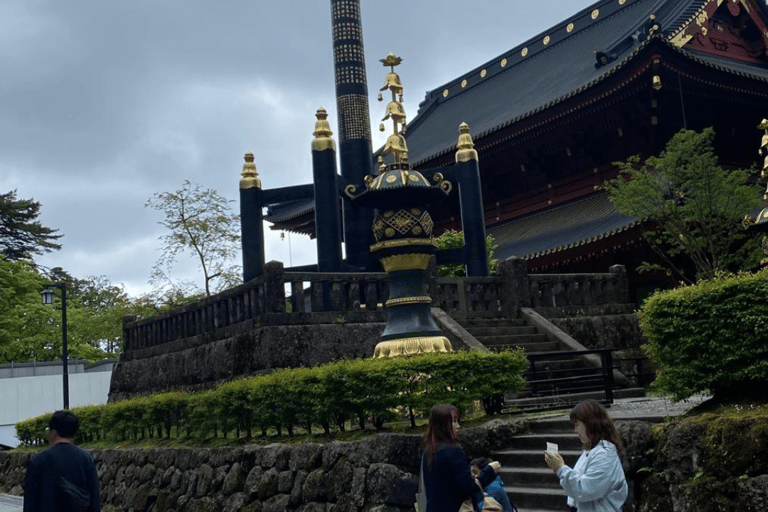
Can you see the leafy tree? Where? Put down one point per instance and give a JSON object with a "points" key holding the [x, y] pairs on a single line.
{"points": [[689, 206], [198, 221], [31, 331], [27, 327], [451, 239], [96, 321], [21, 234]]}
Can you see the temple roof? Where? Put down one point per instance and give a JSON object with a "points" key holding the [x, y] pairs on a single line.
{"points": [[558, 64], [564, 227], [571, 57]]}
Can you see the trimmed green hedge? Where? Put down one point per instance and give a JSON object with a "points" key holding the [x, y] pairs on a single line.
{"points": [[324, 397], [710, 337]]}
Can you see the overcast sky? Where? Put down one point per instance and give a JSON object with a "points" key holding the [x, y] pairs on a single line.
{"points": [[103, 103]]}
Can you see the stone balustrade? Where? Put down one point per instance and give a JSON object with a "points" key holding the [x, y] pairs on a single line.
{"points": [[292, 298]]}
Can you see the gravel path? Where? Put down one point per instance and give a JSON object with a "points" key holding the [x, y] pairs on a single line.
{"points": [[653, 406]]}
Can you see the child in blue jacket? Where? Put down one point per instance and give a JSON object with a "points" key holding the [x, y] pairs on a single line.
{"points": [[495, 489]]}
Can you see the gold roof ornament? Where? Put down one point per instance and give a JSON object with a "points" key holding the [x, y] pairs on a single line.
{"points": [[760, 223], [466, 146], [763, 151], [395, 144], [323, 135], [249, 177]]}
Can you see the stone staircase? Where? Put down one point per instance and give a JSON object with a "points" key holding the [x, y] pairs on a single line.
{"points": [[530, 484], [579, 377]]}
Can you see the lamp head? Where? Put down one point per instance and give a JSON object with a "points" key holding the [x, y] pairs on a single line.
{"points": [[47, 295]]}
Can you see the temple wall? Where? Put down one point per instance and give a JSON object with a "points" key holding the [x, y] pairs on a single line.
{"points": [[200, 362]]}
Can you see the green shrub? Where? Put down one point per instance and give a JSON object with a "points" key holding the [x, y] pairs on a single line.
{"points": [[710, 337], [326, 397]]}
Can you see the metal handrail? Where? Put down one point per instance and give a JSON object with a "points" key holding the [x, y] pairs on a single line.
{"points": [[540, 377]]}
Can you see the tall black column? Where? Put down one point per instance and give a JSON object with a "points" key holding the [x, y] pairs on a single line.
{"points": [[327, 221], [251, 220], [356, 155], [472, 212]]}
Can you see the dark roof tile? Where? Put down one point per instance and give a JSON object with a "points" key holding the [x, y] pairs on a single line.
{"points": [[562, 227]]}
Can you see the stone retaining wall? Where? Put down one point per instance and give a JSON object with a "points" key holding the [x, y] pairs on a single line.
{"points": [[376, 474], [380, 474], [201, 362]]}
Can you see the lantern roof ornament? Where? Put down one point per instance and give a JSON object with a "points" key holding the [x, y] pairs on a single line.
{"points": [[412, 187], [760, 223], [395, 111]]}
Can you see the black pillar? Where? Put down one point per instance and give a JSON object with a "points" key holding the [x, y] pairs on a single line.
{"points": [[356, 155], [472, 212], [327, 221], [251, 220]]}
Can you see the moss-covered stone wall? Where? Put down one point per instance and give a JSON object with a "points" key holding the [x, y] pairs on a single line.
{"points": [[711, 462]]}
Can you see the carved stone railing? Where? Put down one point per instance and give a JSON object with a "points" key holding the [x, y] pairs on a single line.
{"points": [[465, 297], [319, 291], [559, 290], [512, 287], [279, 297], [263, 301]]}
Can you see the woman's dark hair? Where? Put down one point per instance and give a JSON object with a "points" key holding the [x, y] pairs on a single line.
{"points": [[598, 424], [440, 430], [65, 423]]}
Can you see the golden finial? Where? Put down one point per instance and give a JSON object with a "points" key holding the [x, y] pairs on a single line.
{"points": [[250, 176], [396, 142], [323, 135], [466, 146], [763, 151]]}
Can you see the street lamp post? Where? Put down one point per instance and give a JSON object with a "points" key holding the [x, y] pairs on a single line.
{"points": [[48, 299]]}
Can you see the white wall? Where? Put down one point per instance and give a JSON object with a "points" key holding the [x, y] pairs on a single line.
{"points": [[22, 398]]}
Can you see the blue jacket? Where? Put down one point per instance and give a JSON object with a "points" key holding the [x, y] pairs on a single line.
{"points": [[596, 483], [449, 481], [496, 491]]}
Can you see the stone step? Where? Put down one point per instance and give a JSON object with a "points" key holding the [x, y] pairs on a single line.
{"points": [[530, 476], [539, 498], [501, 330], [577, 369], [568, 400], [532, 486], [515, 339], [546, 346], [565, 440], [560, 364], [490, 322], [530, 458], [578, 384]]}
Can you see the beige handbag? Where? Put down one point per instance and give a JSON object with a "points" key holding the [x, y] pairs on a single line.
{"points": [[489, 504]]}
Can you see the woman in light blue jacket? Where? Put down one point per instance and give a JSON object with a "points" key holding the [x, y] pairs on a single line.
{"points": [[596, 483]]}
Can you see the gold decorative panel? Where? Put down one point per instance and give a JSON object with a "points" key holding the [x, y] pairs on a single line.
{"points": [[354, 120], [345, 10]]}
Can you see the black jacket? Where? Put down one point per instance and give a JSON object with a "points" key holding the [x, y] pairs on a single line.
{"points": [[43, 471], [449, 481]]}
